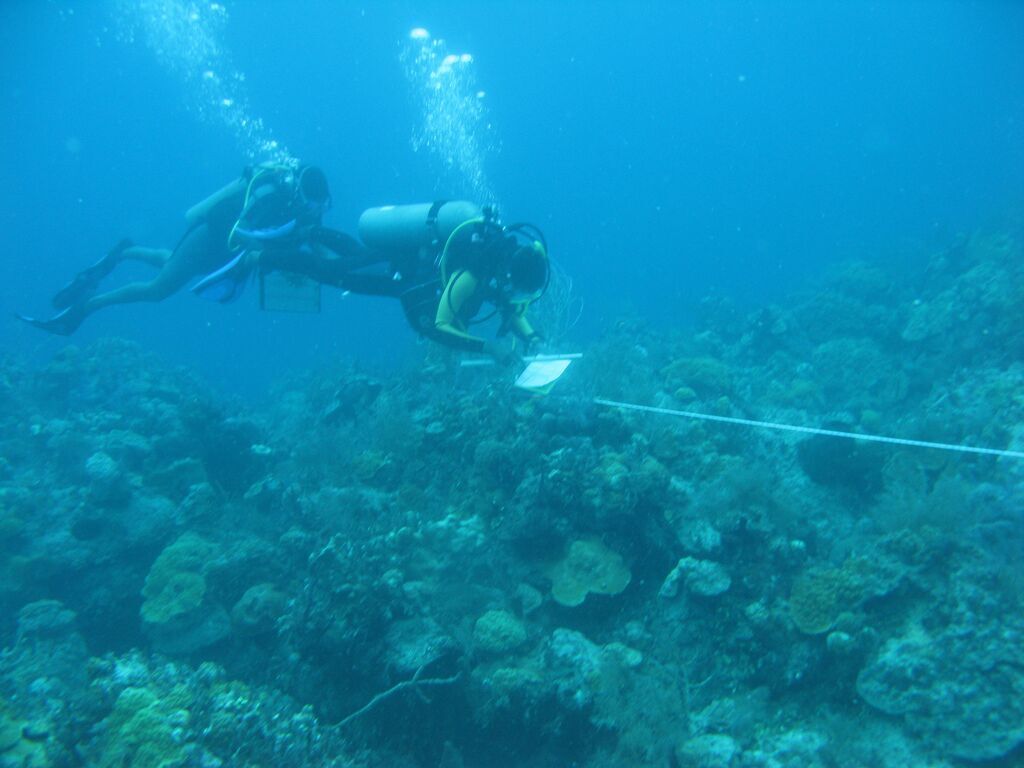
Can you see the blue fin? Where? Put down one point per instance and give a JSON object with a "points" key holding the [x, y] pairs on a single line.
{"points": [[227, 283], [269, 233]]}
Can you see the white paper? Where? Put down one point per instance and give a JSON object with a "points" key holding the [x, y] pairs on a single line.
{"points": [[542, 373]]}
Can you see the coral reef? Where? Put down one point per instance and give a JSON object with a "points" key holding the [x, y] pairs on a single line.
{"points": [[419, 569]]}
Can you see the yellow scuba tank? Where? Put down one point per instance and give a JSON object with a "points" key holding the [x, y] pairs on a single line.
{"points": [[402, 228]]}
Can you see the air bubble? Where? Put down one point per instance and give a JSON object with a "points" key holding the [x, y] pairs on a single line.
{"points": [[185, 38], [452, 125]]}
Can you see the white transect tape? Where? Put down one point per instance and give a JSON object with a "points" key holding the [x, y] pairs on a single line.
{"points": [[810, 430], [541, 358], [479, 361]]}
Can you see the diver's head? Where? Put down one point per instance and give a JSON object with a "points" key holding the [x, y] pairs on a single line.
{"points": [[314, 196], [528, 273]]}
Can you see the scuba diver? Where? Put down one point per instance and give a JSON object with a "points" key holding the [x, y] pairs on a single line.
{"points": [[271, 212], [444, 262]]}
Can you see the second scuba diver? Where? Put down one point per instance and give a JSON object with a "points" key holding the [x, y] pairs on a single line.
{"points": [[271, 210], [445, 262]]}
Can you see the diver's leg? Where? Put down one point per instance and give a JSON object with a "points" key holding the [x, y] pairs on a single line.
{"points": [[419, 303], [155, 257], [348, 253], [88, 280], [66, 322], [328, 258], [195, 255], [324, 265], [373, 284]]}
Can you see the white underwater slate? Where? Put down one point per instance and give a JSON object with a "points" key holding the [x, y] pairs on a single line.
{"points": [[541, 374]]}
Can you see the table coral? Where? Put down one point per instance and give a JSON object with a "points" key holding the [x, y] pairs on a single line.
{"points": [[588, 567]]}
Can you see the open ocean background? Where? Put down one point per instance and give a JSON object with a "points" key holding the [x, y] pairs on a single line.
{"points": [[669, 151]]}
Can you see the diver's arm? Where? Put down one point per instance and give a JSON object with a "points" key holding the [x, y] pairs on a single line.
{"points": [[447, 330], [521, 326], [515, 321]]}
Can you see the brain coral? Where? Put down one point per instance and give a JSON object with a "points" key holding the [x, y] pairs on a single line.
{"points": [[588, 566]]}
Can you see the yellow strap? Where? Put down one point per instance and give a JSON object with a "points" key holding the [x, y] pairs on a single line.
{"points": [[447, 243], [261, 171]]}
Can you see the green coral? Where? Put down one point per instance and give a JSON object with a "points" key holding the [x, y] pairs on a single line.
{"points": [[499, 632], [175, 585], [820, 597], [180, 593], [588, 566], [816, 600], [509, 680], [374, 467], [141, 730]]}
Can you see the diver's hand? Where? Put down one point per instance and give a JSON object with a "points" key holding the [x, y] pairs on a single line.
{"points": [[536, 345], [503, 351]]}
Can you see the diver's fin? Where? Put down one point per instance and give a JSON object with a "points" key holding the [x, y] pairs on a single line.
{"points": [[64, 323], [87, 281], [227, 283]]}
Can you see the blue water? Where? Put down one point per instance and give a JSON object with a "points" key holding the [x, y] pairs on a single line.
{"points": [[670, 151]]}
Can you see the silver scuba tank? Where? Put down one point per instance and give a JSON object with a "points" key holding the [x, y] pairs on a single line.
{"points": [[410, 227]]}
